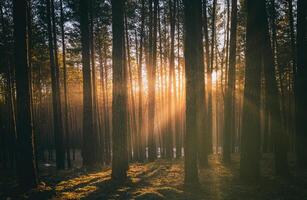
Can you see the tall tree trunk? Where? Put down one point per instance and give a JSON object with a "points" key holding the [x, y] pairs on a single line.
{"points": [[94, 84], [194, 68], [230, 90], [119, 114], [208, 130], [171, 83], [250, 139], [89, 137], [273, 97], [209, 71], [9, 122], [133, 110], [152, 79], [107, 109], [65, 88], [55, 83], [26, 162], [104, 110], [292, 37], [177, 91], [300, 85], [202, 134], [140, 83]]}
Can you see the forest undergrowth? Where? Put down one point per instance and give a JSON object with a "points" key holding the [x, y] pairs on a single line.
{"points": [[162, 180]]}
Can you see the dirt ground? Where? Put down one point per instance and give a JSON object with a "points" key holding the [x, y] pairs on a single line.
{"points": [[164, 180]]}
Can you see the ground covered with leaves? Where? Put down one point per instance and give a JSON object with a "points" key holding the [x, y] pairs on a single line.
{"points": [[164, 180]]}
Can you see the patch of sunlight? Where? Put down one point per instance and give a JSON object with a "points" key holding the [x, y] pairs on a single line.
{"points": [[148, 193], [81, 180], [137, 169]]}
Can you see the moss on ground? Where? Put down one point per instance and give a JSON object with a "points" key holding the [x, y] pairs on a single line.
{"points": [[164, 180]]}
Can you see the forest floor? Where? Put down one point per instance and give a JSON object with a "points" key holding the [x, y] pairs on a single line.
{"points": [[164, 180]]}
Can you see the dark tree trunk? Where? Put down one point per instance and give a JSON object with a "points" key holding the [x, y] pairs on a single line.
{"points": [[171, 83], [140, 82], [26, 162], [292, 37], [202, 134], [250, 139], [55, 83], [209, 74], [104, 120], [67, 144], [132, 113], [89, 137], [208, 131], [273, 97], [177, 91], [119, 114], [194, 69], [151, 71], [93, 82], [230, 90], [300, 85]]}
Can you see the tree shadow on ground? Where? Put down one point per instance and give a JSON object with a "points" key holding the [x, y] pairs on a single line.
{"points": [[163, 180]]}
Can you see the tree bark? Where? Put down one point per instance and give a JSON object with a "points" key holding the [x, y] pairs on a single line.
{"points": [[55, 83], [230, 90], [26, 162], [119, 113], [300, 85], [250, 139], [194, 69], [67, 143], [89, 138]]}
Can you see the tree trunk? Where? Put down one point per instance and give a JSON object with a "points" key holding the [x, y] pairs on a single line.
{"points": [[55, 83], [26, 162], [250, 139], [68, 160], [273, 97], [119, 114], [209, 71], [151, 71], [230, 90], [300, 85], [89, 138], [140, 83], [194, 68], [208, 130], [93, 82]]}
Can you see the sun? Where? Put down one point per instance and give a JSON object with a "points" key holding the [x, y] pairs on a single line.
{"points": [[214, 76]]}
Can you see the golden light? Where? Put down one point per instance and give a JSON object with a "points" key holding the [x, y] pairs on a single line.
{"points": [[214, 76]]}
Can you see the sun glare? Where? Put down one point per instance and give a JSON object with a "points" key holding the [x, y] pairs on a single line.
{"points": [[214, 76]]}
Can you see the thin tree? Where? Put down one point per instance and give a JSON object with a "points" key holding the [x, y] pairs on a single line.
{"points": [[151, 71], [65, 87], [140, 83], [230, 90], [93, 70], [208, 131], [209, 74]]}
